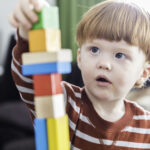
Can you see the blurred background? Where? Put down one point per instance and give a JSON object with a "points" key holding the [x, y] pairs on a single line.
{"points": [[16, 129]]}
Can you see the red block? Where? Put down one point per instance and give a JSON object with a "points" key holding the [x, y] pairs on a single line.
{"points": [[47, 84]]}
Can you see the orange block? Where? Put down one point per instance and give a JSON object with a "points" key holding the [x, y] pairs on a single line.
{"points": [[44, 40], [47, 84]]}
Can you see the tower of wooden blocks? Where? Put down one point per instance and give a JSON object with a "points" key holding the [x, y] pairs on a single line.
{"points": [[46, 62]]}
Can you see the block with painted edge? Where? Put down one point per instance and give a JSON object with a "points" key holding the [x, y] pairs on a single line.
{"points": [[44, 40], [48, 17], [41, 137], [47, 84], [58, 133], [46, 68], [49, 106], [64, 55]]}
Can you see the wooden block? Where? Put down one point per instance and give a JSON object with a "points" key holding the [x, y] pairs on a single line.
{"points": [[45, 57], [49, 106], [41, 138], [58, 133], [46, 68], [44, 40], [47, 18], [47, 84]]}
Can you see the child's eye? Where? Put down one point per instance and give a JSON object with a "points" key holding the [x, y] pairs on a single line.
{"points": [[120, 55], [94, 50]]}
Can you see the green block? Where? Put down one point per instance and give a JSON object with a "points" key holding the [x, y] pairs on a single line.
{"points": [[48, 18]]}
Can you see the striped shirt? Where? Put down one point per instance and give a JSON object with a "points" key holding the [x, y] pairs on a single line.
{"points": [[88, 131]]}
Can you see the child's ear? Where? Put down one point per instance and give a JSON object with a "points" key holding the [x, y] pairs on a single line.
{"points": [[146, 72], [79, 57], [144, 76]]}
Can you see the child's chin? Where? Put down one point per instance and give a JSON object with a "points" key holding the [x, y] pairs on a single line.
{"points": [[104, 98]]}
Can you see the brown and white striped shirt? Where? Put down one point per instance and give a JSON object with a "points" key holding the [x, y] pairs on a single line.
{"points": [[88, 131]]}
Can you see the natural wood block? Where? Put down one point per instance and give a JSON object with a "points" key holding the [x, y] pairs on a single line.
{"points": [[44, 40], [49, 106], [47, 84], [40, 130], [58, 133], [47, 18], [64, 55]]}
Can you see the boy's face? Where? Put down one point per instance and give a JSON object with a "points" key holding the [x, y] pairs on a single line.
{"points": [[110, 69]]}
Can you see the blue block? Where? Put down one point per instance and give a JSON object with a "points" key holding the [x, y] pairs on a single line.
{"points": [[46, 68], [40, 131]]}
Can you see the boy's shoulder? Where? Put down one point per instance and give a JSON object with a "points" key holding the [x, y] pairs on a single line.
{"points": [[138, 111], [72, 92], [71, 88]]}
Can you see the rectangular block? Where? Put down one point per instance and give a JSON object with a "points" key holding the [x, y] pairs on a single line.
{"points": [[47, 84], [44, 40], [41, 138], [45, 57], [58, 133], [46, 68], [49, 106], [47, 18]]}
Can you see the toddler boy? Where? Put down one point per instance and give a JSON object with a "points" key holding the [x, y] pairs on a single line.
{"points": [[113, 56]]}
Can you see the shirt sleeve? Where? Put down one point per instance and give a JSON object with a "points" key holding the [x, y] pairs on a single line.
{"points": [[24, 84]]}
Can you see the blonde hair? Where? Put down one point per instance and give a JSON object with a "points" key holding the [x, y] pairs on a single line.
{"points": [[116, 20]]}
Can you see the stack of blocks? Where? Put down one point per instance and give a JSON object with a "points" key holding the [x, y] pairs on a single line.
{"points": [[46, 62]]}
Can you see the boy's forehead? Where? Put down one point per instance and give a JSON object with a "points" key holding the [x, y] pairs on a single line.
{"points": [[122, 44], [102, 41]]}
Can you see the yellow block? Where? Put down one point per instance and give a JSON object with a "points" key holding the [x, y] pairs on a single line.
{"points": [[58, 133], [44, 40]]}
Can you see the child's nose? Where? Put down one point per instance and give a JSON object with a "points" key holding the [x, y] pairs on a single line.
{"points": [[103, 64]]}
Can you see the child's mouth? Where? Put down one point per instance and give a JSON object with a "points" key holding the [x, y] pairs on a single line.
{"points": [[103, 81]]}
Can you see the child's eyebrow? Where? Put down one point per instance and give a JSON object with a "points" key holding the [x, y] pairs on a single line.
{"points": [[122, 49], [114, 48], [125, 50], [117, 48]]}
